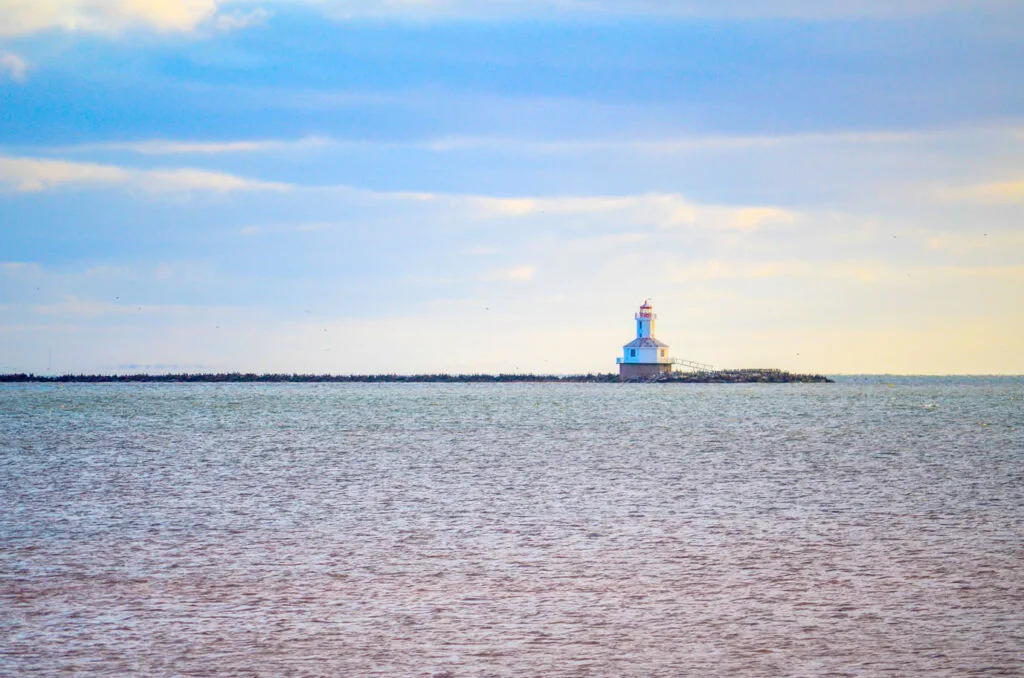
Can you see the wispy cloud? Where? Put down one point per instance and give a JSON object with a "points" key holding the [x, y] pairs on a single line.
{"points": [[664, 210], [32, 174], [185, 147], [13, 66], [103, 16], [527, 206], [998, 192], [753, 218], [35, 174], [310, 227], [104, 272], [19, 268], [568, 146], [239, 20], [861, 271], [961, 244], [184, 16], [72, 305], [201, 180], [656, 210], [111, 17], [481, 250], [802, 9], [716, 269], [515, 274], [669, 145]]}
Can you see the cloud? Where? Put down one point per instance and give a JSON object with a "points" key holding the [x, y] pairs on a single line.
{"points": [[752, 218], [861, 271], [115, 16], [28, 175], [13, 269], [663, 210], [184, 16], [13, 66], [742, 9], [481, 250], [719, 270], [516, 274], [521, 207], [961, 244], [998, 192], [31, 174], [658, 211], [105, 272], [447, 145], [170, 147], [666, 146], [103, 16], [240, 20], [72, 305], [456, 144], [159, 181], [1008, 272], [310, 227]]}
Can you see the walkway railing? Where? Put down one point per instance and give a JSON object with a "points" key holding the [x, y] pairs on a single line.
{"points": [[687, 364], [693, 365]]}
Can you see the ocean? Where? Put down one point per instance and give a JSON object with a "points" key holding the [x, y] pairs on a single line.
{"points": [[872, 527]]}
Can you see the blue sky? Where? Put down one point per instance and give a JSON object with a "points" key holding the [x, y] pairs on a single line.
{"points": [[385, 186]]}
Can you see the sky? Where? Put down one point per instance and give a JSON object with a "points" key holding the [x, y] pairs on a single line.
{"points": [[408, 186]]}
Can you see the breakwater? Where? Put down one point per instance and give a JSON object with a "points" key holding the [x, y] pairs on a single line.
{"points": [[738, 376]]}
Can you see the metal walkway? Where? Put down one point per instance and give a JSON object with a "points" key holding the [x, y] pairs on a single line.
{"points": [[693, 365]]}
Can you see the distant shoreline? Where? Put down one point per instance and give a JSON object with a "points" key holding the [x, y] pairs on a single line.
{"points": [[745, 376]]}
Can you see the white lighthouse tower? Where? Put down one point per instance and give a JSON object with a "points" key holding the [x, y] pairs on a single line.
{"points": [[645, 356]]}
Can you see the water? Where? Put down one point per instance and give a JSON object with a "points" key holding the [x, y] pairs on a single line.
{"points": [[859, 528]]}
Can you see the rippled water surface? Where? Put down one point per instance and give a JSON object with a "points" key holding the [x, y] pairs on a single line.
{"points": [[859, 528]]}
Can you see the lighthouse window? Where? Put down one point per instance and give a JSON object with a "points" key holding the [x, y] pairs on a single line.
{"points": [[632, 353]]}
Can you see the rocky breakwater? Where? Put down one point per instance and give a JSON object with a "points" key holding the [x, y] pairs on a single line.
{"points": [[716, 377], [744, 376]]}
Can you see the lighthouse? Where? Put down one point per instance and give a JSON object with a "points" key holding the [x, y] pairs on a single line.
{"points": [[645, 356]]}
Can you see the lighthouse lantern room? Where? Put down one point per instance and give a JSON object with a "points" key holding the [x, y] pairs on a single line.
{"points": [[645, 356]]}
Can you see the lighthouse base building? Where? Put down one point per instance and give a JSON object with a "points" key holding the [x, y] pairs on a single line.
{"points": [[645, 357]]}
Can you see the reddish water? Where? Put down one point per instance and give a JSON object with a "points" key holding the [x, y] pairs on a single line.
{"points": [[512, 530]]}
